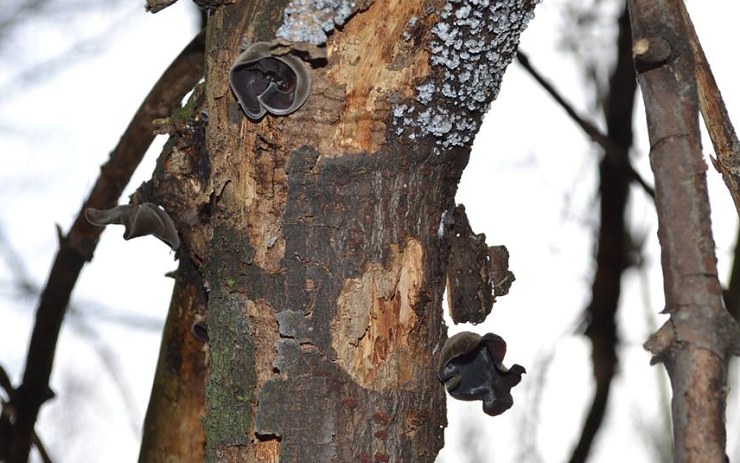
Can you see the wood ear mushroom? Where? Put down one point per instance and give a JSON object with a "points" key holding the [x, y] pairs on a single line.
{"points": [[471, 368], [267, 83], [138, 220]]}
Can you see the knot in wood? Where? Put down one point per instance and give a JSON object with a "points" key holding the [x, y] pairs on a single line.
{"points": [[650, 52]]}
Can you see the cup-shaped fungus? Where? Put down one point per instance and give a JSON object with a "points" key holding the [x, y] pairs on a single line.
{"points": [[266, 83]]}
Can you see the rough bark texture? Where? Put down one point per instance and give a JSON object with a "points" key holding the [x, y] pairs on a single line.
{"points": [[700, 334], [324, 266], [172, 429]]}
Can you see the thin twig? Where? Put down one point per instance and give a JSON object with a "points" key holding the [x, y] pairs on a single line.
{"points": [[610, 148], [40, 448], [78, 245], [79, 320]]}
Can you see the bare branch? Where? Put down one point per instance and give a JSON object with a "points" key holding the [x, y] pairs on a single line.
{"points": [[610, 148], [78, 245], [7, 412], [732, 292], [716, 118]]}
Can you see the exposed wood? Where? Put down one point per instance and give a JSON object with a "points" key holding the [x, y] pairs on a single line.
{"points": [[173, 428], [696, 341]]}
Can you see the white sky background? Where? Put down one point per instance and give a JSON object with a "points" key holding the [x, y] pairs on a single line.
{"points": [[530, 185]]}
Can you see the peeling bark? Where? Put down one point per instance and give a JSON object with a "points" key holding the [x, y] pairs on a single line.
{"points": [[476, 273]]}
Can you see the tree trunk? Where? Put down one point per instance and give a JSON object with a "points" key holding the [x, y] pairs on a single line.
{"points": [[322, 245]]}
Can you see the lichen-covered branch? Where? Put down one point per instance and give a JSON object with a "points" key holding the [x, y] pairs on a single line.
{"points": [[699, 336], [612, 148]]}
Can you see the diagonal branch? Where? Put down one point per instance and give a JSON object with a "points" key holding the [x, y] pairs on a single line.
{"points": [[78, 245], [607, 144], [731, 294]]}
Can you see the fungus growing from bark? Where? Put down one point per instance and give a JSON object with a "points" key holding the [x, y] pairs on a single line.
{"points": [[199, 329], [264, 82], [138, 220], [471, 368]]}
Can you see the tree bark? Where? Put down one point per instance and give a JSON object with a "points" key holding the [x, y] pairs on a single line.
{"points": [[324, 251], [700, 334], [172, 428]]}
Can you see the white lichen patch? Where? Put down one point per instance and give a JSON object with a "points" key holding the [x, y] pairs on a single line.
{"points": [[425, 93], [309, 21], [474, 41]]}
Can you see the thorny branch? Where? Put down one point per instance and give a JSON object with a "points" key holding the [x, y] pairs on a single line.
{"points": [[78, 245]]}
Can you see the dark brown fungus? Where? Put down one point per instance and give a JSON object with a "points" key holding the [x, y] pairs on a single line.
{"points": [[267, 83], [471, 368], [138, 220], [200, 331]]}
